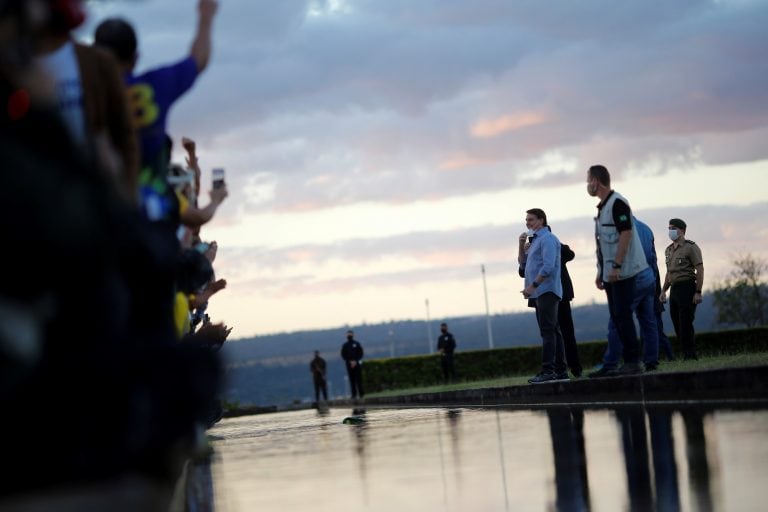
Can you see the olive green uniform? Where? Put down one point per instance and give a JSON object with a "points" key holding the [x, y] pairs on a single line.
{"points": [[682, 260]]}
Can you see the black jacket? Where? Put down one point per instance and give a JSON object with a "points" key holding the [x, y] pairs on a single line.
{"points": [[446, 342], [352, 351]]}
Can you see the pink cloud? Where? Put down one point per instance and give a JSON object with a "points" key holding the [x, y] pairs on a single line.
{"points": [[488, 128]]}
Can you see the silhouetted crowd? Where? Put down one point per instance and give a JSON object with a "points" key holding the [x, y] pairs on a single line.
{"points": [[108, 359]]}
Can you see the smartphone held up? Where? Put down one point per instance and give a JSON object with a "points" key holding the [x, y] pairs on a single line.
{"points": [[218, 178]]}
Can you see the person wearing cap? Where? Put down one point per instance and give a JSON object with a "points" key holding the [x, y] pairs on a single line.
{"points": [[685, 277]]}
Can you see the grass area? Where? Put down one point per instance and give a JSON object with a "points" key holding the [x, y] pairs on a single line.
{"points": [[704, 363]]}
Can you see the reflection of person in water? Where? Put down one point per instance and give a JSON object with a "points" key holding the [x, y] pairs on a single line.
{"points": [[698, 462], [635, 442], [664, 465], [566, 426], [359, 428]]}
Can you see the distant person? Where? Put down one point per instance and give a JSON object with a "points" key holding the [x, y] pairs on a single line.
{"points": [[619, 259], [317, 367], [685, 275], [152, 94], [352, 354], [446, 345], [544, 287]]}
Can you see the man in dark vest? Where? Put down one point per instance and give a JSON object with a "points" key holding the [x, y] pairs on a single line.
{"points": [[446, 345], [352, 353]]}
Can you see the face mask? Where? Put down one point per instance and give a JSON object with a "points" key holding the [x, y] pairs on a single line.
{"points": [[350, 338], [531, 232], [592, 191], [673, 234]]}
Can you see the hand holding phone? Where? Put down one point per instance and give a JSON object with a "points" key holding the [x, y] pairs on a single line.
{"points": [[218, 178]]}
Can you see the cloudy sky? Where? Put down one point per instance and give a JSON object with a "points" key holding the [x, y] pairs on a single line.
{"points": [[379, 152]]}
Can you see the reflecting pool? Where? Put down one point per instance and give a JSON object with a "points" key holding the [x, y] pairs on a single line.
{"points": [[493, 459]]}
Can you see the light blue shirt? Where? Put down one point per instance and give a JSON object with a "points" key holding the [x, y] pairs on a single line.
{"points": [[648, 276], [543, 259]]}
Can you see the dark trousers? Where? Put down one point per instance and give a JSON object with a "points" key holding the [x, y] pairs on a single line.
{"points": [[621, 295], [553, 350], [683, 311], [320, 385], [446, 361], [355, 380], [565, 321]]}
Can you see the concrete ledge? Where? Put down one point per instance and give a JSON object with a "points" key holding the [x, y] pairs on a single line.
{"points": [[729, 384]]}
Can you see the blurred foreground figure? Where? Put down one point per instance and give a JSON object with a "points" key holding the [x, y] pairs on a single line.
{"points": [[86, 399]]}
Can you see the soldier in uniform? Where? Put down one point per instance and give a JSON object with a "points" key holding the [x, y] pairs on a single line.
{"points": [[685, 277]]}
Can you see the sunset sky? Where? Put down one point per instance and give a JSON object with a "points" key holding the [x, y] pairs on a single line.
{"points": [[378, 152]]}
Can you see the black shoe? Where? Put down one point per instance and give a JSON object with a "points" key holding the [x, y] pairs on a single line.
{"points": [[602, 372], [543, 377], [649, 367], [562, 377], [577, 372], [626, 369]]}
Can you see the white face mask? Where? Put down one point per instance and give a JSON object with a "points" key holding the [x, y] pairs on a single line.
{"points": [[674, 234], [531, 232]]}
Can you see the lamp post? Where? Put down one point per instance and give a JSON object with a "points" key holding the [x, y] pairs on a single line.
{"points": [[487, 310], [429, 328]]}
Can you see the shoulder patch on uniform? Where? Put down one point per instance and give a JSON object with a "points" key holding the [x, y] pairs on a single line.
{"points": [[623, 218]]}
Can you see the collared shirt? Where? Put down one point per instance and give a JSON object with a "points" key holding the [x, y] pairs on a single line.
{"points": [[682, 260], [650, 275], [543, 259]]}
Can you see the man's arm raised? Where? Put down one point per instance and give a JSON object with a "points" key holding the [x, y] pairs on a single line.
{"points": [[202, 44]]}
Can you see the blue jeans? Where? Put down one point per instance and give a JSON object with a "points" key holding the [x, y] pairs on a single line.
{"points": [[644, 307], [621, 297], [553, 348], [664, 343]]}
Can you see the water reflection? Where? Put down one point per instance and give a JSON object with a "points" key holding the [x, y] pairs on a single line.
{"points": [[357, 433], [566, 428], [564, 459], [698, 461], [664, 464], [636, 461]]}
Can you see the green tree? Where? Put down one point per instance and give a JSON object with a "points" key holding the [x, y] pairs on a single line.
{"points": [[742, 298]]}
